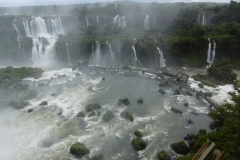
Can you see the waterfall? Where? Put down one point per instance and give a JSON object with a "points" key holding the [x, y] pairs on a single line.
{"points": [[119, 21], [86, 21], [68, 54], [146, 23], [92, 57], [209, 51], [110, 50], [135, 40], [97, 19], [123, 22], [98, 51], [203, 19], [213, 52], [134, 53], [19, 37], [38, 29], [161, 58], [115, 19]]}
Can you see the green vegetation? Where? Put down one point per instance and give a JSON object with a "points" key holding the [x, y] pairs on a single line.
{"points": [[138, 133], [123, 101], [92, 114], [127, 115], [177, 92], [139, 144], [91, 107], [79, 150], [162, 84], [10, 75], [188, 93], [218, 74], [162, 155], [208, 94], [200, 85], [18, 104], [176, 110], [162, 91], [107, 116], [81, 114], [140, 100], [30, 110], [180, 147]]}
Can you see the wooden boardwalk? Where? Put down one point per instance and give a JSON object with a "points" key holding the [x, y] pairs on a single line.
{"points": [[169, 80]]}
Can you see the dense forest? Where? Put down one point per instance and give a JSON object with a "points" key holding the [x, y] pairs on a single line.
{"points": [[178, 29]]}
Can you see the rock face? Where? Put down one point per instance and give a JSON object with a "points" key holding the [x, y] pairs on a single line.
{"points": [[139, 144], [190, 121], [180, 148], [79, 150]]}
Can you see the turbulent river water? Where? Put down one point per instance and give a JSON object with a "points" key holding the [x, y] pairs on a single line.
{"points": [[49, 131]]}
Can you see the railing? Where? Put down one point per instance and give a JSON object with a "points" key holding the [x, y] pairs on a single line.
{"points": [[169, 80]]}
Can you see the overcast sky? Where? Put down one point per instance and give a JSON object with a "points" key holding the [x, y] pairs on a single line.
{"points": [[60, 2]]}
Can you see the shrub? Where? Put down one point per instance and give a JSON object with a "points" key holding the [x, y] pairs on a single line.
{"points": [[177, 92], [138, 133], [162, 155], [176, 110], [188, 93], [139, 144], [108, 116], [18, 104], [200, 85], [127, 115], [81, 114], [92, 107], [30, 110], [123, 101], [208, 94], [140, 100], [79, 150], [92, 114], [180, 147], [202, 132], [162, 84], [161, 91]]}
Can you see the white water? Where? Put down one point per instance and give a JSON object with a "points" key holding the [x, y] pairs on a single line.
{"points": [[19, 37], [161, 58], [68, 54], [111, 52], [86, 21], [115, 19], [213, 52], [123, 22], [97, 19], [146, 23], [98, 52], [36, 28], [134, 54], [209, 51]]}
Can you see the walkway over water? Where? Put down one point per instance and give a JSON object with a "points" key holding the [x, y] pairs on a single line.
{"points": [[173, 80]]}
